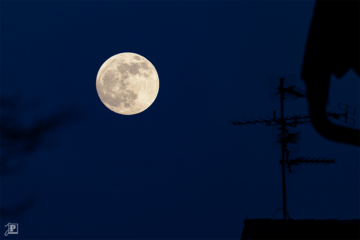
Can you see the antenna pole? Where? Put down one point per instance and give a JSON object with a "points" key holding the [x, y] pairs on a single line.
{"points": [[283, 144]]}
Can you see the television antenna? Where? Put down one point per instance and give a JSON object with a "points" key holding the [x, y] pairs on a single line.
{"points": [[286, 137]]}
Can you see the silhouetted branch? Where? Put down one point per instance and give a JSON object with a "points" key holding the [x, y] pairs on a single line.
{"points": [[18, 141], [18, 209]]}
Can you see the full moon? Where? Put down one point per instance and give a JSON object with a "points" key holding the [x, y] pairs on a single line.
{"points": [[127, 83]]}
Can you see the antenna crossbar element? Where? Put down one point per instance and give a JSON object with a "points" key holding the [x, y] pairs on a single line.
{"points": [[343, 116], [347, 107], [300, 160], [276, 121], [291, 91], [295, 119], [288, 137]]}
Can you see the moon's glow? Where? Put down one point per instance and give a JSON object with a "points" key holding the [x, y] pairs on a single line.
{"points": [[127, 83]]}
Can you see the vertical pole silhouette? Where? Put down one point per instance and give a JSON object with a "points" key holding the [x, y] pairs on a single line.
{"points": [[283, 144]]}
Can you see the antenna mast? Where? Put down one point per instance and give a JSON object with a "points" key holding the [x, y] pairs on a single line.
{"points": [[286, 138]]}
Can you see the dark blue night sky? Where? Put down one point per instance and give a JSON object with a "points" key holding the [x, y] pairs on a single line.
{"points": [[178, 170]]}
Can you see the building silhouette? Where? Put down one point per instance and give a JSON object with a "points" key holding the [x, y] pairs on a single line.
{"points": [[267, 228]]}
